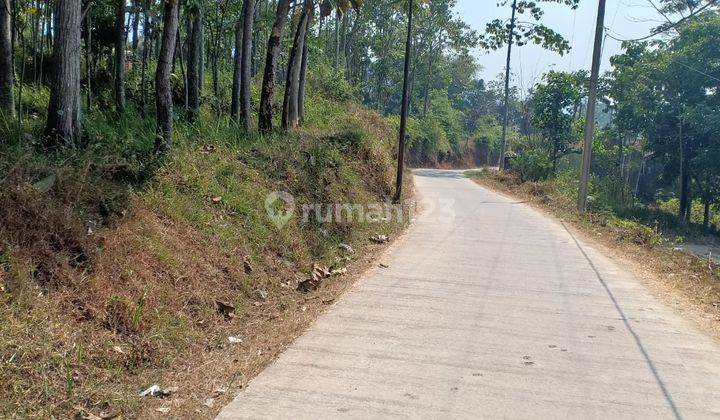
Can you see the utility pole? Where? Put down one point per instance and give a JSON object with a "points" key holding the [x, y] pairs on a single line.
{"points": [[404, 108], [590, 117], [506, 110]]}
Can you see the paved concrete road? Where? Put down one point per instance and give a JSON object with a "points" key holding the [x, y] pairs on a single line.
{"points": [[497, 312]]}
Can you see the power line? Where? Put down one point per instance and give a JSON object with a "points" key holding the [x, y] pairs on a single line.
{"points": [[698, 71], [607, 35], [672, 25]]}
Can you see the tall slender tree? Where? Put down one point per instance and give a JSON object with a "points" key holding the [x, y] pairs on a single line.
{"points": [[303, 76], [290, 114], [246, 63], [120, 56], [499, 33], [237, 71], [265, 122], [195, 62], [135, 26], [163, 89], [63, 121], [7, 102], [145, 56]]}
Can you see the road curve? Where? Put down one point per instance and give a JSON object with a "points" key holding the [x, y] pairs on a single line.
{"points": [[493, 311]]}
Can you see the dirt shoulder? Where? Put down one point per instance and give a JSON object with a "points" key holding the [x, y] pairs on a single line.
{"points": [[213, 377], [689, 284]]}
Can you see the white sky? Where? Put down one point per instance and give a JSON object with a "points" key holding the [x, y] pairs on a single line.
{"points": [[626, 19]]}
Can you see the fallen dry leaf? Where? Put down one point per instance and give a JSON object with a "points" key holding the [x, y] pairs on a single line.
{"points": [[309, 285], [338, 271], [225, 309]]}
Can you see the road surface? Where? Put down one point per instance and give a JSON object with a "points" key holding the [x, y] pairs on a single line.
{"points": [[495, 312]]}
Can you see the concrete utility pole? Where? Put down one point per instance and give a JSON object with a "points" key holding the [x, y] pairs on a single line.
{"points": [[404, 109], [506, 110], [590, 117]]}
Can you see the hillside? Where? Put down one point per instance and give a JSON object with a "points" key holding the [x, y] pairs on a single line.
{"points": [[118, 274]]}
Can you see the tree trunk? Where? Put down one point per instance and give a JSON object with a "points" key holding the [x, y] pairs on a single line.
{"points": [[343, 40], [50, 28], [684, 178], [292, 81], [145, 56], [43, 42], [349, 47], [63, 122], [35, 22], [256, 35], [179, 54], [246, 63], [271, 61], [195, 59], [7, 104], [88, 58], [337, 39], [135, 27], [163, 89], [120, 57], [237, 64], [303, 77]]}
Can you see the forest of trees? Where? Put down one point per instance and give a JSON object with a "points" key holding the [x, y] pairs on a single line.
{"points": [[658, 136], [247, 63], [101, 55]]}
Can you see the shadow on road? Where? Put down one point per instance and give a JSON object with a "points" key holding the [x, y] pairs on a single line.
{"points": [[636, 337]]}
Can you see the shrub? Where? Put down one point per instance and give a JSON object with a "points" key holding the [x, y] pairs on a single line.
{"points": [[532, 165], [540, 189], [330, 83], [632, 231]]}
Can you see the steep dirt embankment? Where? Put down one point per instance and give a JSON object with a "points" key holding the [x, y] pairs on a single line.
{"points": [[110, 286]]}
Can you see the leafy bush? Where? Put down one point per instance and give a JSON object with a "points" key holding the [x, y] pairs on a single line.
{"points": [[531, 165], [635, 232], [330, 83]]}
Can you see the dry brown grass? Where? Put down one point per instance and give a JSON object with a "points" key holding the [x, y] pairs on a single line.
{"points": [[142, 308], [686, 282], [136, 322]]}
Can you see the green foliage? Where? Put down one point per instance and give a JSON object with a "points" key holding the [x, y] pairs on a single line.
{"points": [[329, 82], [497, 32], [531, 165], [635, 232], [553, 103], [438, 136]]}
